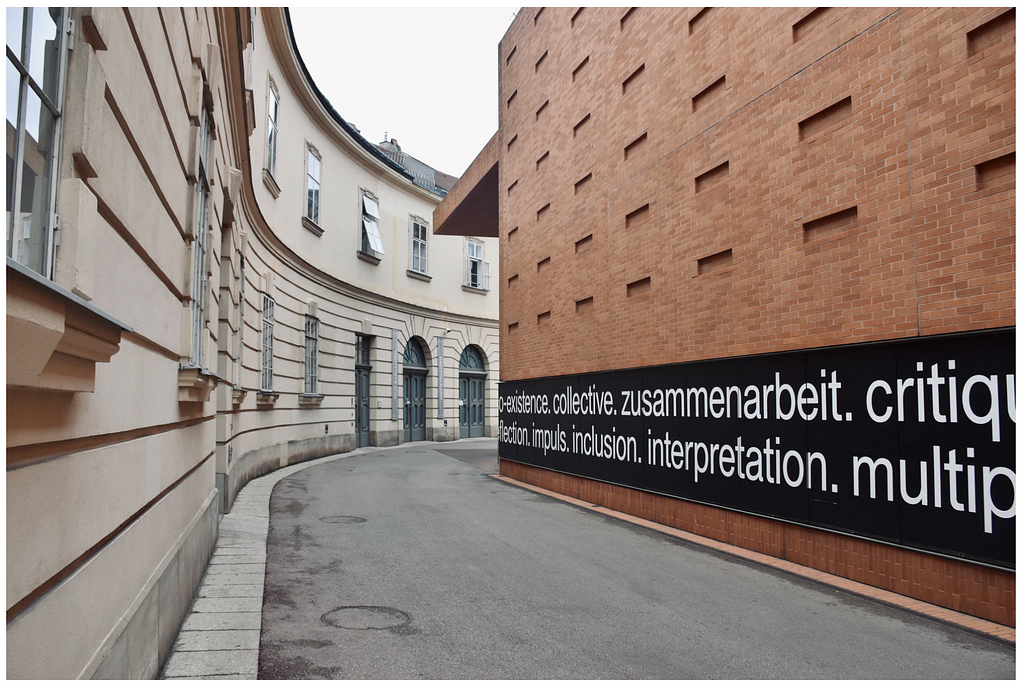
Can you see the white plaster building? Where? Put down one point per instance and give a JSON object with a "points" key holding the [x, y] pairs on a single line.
{"points": [[210, 275]]}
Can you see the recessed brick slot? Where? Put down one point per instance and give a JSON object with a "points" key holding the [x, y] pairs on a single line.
{"points": [[543, 263], [715, 262], [512, 141], [634, 147], [582, 182], [831, 117], [536, 67], [544, 317], [514, 184], [632, 78], [541, 212], [626, 17], [998, 174], [711, 176], [991, 32], [512, 326], [585, 243], [709, 94], [638, 215], [579, 68], [807, 23], [576, 129], [537, 16], [541, 108], [512, 97], [512, 232], [542, 158], [509, 58], [698, 19], [575, 16], [584, 304], [638, 287], [513, 279], [844, 219]]}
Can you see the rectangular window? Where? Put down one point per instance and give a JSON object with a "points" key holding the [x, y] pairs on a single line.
{"points": [[419, 247], [199, 248], [312, 344], [362, 350], [273, 107], [267, 360], [312, 186], [478, 272], [36, 59], [371, 243]]}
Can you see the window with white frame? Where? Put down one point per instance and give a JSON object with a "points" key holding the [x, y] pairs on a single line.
{"points": [[312, 344], [312, 185], [478, 272], [419, 247], [199, 247], [36, 62], [273, 109], [371, 242], [267, 361]]}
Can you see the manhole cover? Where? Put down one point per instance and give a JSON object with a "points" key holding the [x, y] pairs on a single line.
{"points": [[366, 618], [342, 519]]}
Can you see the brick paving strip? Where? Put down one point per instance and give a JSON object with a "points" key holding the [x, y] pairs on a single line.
{"points": [[968, 622]]}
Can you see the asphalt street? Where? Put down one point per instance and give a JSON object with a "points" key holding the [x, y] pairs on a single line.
{"points": [[414, 563]]}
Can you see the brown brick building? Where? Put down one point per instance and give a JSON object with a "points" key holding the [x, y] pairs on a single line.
{"points": [[681, 185]]}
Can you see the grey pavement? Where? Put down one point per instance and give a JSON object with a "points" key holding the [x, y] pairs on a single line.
{"points": [[220, 636], [415, 564], [411, 562]]}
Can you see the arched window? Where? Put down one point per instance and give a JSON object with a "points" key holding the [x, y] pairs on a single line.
{"points": [[471, 360], [414, 356]]}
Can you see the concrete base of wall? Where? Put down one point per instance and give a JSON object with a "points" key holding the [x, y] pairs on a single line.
{"points": [[266, 459], [385, 437], [142, 646], [442, 433], [957, 585]]}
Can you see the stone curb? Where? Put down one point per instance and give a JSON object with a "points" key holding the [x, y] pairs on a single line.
{"points": [[219, 637]]}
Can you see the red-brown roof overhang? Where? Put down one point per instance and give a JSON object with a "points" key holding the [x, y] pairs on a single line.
{"points": [[471, 207]]}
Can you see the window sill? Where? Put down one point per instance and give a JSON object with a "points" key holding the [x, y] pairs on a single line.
{"points": [[266, 398], [238, 395], [195, 384], [54, 338], [418, 275], [372, 259], [310, 399], [268, 181], [473, 289], [312, 226]]}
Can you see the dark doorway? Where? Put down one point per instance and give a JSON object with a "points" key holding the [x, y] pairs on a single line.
{"points": [[414, 392], [362, 391], [472, 374]]}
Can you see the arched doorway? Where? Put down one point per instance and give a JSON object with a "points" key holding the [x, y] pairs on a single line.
{"points": [[414, 392], [472, 374]]}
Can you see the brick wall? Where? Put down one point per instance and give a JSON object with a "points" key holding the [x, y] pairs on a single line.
{"points": [[960, 586], [765, 179]]}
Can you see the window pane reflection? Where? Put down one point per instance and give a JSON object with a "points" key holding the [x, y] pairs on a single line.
{"points": [[31, 224], [44, 58], [15, 17]]}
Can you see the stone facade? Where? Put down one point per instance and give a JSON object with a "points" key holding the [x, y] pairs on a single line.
{"points": [[134, 414]]}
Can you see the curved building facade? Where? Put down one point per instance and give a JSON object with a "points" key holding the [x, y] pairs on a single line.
{"points": [[210, 275]]}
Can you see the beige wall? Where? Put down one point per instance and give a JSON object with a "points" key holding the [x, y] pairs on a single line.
{"points": [[115, 490]]}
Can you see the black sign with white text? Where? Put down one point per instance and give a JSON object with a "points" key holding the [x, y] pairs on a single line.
{"points": [[910, 442]]}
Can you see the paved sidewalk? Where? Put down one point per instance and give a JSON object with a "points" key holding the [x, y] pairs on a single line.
{"points": [[220, 638]]}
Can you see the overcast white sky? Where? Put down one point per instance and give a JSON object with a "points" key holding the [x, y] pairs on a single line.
{"points": [[427, 77]]}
